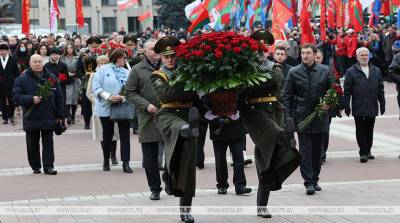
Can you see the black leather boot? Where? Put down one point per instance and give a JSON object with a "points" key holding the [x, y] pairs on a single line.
{"points": [[262, 201], [106, 165], [126, 168], [113, 152]]}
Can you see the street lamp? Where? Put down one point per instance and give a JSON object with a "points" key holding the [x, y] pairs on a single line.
{"points": [[98, 19]]}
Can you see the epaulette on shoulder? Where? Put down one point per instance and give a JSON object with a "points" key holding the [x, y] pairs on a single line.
{"points": [[161, 74]]}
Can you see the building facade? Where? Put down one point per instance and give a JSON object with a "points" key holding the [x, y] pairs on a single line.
{"points": [[101, 16]]}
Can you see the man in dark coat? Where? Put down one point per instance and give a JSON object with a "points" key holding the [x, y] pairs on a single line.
{"points": [[139, 91], [364, 86], [280, 56], [45, 114], [262, 116], [305, 85], [394, 74], [177, 122], [8, 72]]}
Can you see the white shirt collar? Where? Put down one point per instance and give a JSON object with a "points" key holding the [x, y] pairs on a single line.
{"points": [[4, 61]]}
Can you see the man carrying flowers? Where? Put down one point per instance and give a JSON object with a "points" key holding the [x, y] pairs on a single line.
{"points": [[305, 85], [47, 110], [177, 122]]}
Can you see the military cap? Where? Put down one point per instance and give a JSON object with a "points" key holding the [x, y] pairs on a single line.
{"points": [[263, 36], [4, 46], [130, 39], [90, 64], [93, 39], [54, 50], [166, 45]]}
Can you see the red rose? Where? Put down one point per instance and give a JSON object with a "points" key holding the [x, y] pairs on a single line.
{"points": [[244, 45], [254, 47], [237, 50], [62, 77], [221, 46], [208, 48], [227, 47], [218, 54], [52, 81]]}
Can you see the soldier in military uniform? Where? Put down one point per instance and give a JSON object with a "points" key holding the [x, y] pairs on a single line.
{"points": [[92, 43], [177, 122], [275, 159]]}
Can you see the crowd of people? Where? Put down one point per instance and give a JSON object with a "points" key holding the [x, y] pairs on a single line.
{"points": [[96, 73]]}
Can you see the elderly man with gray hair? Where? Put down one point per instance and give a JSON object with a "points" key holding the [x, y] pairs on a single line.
{"points": [[364, 86]]}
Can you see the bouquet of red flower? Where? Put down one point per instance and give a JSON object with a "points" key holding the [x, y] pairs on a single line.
{"points": [[219, 60], [330, 99], [44, 91], [62, 77]]}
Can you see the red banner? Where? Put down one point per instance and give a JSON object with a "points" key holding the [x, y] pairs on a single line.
{"points": [[323, 20], [79, 13], [280, 15], [339, 13], [25, 17], [331, 14], [307, 31]]}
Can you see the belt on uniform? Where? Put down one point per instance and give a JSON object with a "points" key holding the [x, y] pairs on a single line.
{"points": [[262, 100], [176, 105]]}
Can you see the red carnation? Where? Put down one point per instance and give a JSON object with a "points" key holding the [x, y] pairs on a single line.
{"points": [[338, 89], [218, 54], [52, 81], [62, 77], [237, 50]]}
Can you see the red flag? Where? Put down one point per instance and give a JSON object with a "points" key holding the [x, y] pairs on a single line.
{"points": [[25, 17], [323, 20], [145, 16], [79, 13], [307, 31], [200, 21], [355, 15], [385, 10], [339, 13], [331, 13], [280, 15], [294, 12], [55, 3]]}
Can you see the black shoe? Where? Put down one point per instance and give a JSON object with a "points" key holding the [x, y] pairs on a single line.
{"points": [[12, 120], [317, 188], [310, 190], [37, 171], [263, 212], [243, 190], [187, 218], [370, 156], [69, 121], [106, 166], [5, 122], [155, 195], [114, 160], [87, 126], [50, 171], [126, 168], [248, 161], [363, 159], [222, 190], [200, 166]]}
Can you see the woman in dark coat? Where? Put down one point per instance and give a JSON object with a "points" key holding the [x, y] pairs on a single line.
{"points": [[275, 159]]}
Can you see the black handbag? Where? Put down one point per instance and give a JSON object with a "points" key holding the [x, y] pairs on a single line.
{"points": [[122, 111]]}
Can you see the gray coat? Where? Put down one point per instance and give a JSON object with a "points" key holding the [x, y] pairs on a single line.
{"points": [[303, 88], [139, 91]]}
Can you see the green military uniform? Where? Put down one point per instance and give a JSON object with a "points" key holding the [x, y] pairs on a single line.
{"points": [[180, 153]]}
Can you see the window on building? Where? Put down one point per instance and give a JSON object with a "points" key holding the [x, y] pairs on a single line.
{"points": [[108, 2], [89, 22], [86, 2], [35, 3], [133, 25], [61, 3], [109, 24]]}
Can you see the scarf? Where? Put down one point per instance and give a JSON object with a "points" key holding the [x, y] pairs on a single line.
{"points": [[120, 73]]}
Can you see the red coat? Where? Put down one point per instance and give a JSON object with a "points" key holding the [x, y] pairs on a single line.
{"points": [[351, 43], [340, 46]]}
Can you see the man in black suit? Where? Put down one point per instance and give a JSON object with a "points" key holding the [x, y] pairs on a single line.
{"points": [[8, 72]]}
